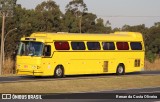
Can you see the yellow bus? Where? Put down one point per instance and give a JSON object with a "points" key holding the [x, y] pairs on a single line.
{"points": [[59, 54]]}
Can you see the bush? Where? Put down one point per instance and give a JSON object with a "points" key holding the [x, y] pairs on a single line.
{"points": [[150, 56], [8, 67]]}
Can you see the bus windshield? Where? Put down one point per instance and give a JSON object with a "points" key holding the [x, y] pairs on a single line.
{"points": [[30, 48]]}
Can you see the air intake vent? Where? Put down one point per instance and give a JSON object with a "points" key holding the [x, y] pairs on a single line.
{"points": [[105, 66], [137, 63]]}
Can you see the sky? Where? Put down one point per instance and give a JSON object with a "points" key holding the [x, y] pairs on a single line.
{"points": [[118, 12]]}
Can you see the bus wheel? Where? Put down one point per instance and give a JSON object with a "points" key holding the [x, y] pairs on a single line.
{"points": [[120, 70], [59, 72]]}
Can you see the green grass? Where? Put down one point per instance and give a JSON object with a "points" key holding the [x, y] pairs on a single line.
{"points": [[82, 85]]}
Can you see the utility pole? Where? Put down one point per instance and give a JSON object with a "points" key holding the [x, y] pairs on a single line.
{"points": [[6, 10], [2, 42], [80, 24]]}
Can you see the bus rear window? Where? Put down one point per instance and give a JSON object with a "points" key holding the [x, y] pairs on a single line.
{"points": [[122, 46], [61, 45], [136, 45], [93, 46], [78, 45]]}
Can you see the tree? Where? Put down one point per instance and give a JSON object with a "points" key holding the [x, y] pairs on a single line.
{"points": [[70, 23], [48, 16], [153, 39], [88, 23], [101, 28], [6, 7], [77, 19], [6, 10], [76, 8], [18, 21]]}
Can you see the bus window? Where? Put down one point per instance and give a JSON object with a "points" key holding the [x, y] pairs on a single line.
{"points": [[61, 45], [108, 46], [93, 46], [136, 45], [47, 50], [122, 46], [78, 45]]}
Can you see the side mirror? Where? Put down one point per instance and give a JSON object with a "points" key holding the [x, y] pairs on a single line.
{"points": [[15, 52]]}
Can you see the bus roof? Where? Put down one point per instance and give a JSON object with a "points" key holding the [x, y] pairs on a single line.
{"points": [[117, 36]]}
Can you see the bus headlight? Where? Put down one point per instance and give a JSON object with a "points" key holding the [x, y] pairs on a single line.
{"points": [[18, 66], [35, 67]]}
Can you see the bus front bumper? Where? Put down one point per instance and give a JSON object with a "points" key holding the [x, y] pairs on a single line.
{"points": [[29, 72]]}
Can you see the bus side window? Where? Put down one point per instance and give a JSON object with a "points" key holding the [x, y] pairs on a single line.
{"points": [[78, 45], [122, 45], [108, 46], [47, 50], [61, 45], [93, 46]]}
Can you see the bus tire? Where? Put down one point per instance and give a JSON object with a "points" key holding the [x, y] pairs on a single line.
{"points": [[120, 69], [59, 71]]}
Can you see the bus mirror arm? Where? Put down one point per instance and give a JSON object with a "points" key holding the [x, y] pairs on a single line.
{"points": [[15, 52]]}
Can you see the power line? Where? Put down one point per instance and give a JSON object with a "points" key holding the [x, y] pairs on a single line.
{"points": [[122, 16]]}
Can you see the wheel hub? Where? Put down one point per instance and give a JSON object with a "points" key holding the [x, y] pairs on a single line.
{"points": [[59, 72], [120, 70]]}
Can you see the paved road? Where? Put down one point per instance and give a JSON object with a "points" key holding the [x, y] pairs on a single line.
{"points": [[31, 78]]}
